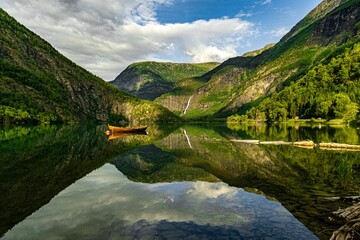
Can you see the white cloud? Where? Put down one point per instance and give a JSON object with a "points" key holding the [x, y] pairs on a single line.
{"points": [[106, 36], [212, 191], [277, 33], [267, 2], [242, 14]]}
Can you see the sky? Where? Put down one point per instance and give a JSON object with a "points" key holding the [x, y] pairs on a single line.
{"points": [[105, 36]]}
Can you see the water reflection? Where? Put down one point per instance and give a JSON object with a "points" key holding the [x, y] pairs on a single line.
{"points": [[295, 132], [106, 205], [177, 182], [38, 162], [301, 179]]}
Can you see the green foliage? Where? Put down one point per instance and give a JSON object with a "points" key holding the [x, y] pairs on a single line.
{"points": [[345, 170], [116, 119], [13, 115], [326, 91], [237, 118]]}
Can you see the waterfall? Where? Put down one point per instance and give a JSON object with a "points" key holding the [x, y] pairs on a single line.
{"points": [[187, 138], [187, 105]]}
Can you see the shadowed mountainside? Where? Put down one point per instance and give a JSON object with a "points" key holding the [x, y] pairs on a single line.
{"points": [[38, 84]]}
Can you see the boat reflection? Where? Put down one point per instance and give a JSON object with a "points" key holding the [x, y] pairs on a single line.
{"points": [[120, 135]]}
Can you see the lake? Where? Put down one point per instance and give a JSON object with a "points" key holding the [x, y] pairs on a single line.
{"points": [[177, 182]]}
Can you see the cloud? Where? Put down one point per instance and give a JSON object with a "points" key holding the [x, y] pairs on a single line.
{"points": [[242, 14], [106, 36], [212, 191], [277, 33], [266, 2]]}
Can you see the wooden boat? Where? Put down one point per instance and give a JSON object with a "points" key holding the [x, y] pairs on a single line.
{"points": [[114, 129]]}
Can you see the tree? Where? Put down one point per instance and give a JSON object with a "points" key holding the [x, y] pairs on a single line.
{"points": [[341, 100], [351, 112]]}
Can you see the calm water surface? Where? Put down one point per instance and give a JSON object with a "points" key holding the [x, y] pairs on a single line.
{"points": [[187, 182]]}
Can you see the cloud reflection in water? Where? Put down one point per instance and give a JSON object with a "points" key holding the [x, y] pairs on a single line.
{"points": [[106, 205]]}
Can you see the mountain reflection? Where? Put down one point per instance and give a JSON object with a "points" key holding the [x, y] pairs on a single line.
{"points": [[187, 182], [39, 162], [106, 205], [301, 179]]}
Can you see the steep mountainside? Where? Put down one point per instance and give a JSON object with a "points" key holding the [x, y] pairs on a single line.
{"points": [[330, 91], [241, 82], [38, 84], [149, 80]]}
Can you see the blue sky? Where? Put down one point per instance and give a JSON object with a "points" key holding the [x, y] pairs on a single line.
{"points": [[274, 11], [106, 36], [271, 18]]}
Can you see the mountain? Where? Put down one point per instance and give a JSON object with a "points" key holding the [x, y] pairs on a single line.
{"points": [[330, 91], [242, 82], [149, 80], [38, 84]]}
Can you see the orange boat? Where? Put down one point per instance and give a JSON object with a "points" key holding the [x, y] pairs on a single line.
{"points": [[114, 129]]}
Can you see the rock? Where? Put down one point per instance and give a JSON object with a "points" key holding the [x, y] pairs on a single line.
{"points": [[351, 229]]}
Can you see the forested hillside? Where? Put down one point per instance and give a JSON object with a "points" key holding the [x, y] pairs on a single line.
{"points": [[330, 91]]}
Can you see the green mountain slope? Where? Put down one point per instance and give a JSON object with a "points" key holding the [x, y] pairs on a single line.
{"points": [[259, 51], [241, 82], [149, 80], [38, 84], [327, 91]]}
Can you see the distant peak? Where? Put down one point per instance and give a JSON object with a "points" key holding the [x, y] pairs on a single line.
{"points": [[317, 13]]}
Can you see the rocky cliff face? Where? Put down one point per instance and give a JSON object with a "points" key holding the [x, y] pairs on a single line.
{"points": [[317, 13], [339, 26], [146, 84], [37, 81]]}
